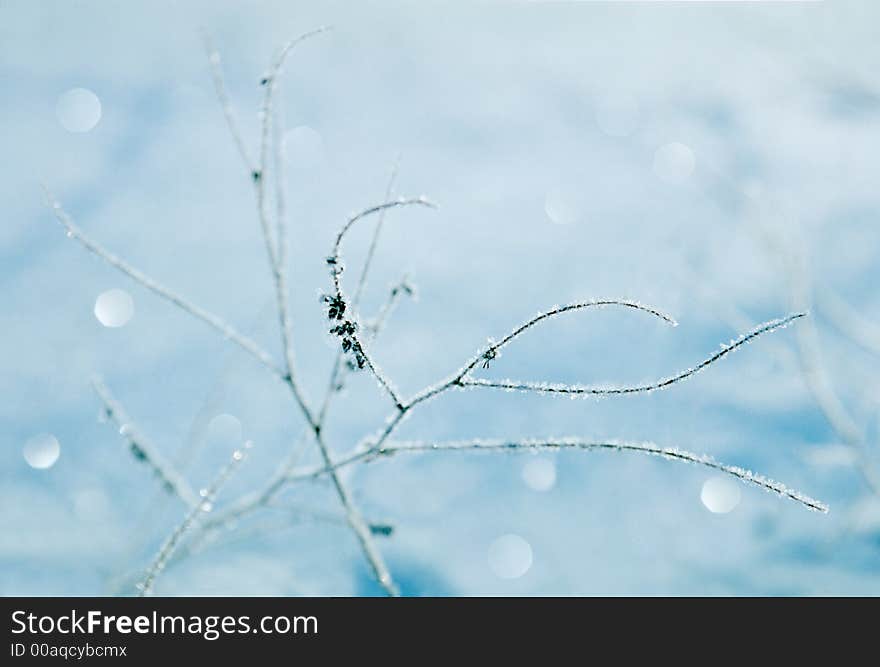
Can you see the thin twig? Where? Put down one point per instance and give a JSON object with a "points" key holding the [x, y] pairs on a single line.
{"points": [[491, 351], [280, 189], [334, 382], [338, 305], [166, 551], [142, 448], [218, 324], [403, 288], [262, 498], [461, 377], [551, 388], [277, 254], [334, 258], [374, 241], [258, 176], [571, 443], [225, 103]]}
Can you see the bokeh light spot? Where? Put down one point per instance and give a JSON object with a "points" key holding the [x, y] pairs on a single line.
{"points": [[78, 110], [42, 451], [114, 308], [510, 556], [720, 495]]}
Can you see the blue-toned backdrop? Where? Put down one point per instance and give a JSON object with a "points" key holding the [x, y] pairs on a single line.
{"points": [[711, 159]]}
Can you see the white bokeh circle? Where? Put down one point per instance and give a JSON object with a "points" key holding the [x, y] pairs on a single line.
{"points": [[720, 494], [41, 451], [114, 308], [510, 556], [78, 110]]}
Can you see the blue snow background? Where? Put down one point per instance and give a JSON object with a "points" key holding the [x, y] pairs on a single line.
{"points": [[494, 107]]}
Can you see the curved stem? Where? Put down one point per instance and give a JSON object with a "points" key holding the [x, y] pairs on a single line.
{"points": [[547, 388], [651, 448]]}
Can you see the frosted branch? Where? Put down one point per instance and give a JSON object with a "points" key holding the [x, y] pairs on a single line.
{"points": [[670, 453], [141, 448], [263, 497], [374, 241], [169, 546], [334, 259], [551, 388], [346, 326], [258, 176], [215, 322], [225, 103], [403, 288], [490, 352], [335, 382]]}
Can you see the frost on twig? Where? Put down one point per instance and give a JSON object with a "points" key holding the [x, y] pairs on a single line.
{"points": [[141, 448], [554, 388], [205, 505], [374, 241], [533, 444], [225, 103], [336, 382], [345, 324], [401, 289], [215, 322], [491, 352], [262, 497]]}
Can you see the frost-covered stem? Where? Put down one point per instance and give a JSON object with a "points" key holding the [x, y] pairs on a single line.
{"points": [[166, 551], [374, 241], [226, 104], [384, 382], [548, 388], [355, 520], [572, 443], [353, 516], [215, 322], [258, 176], [261, 498], [333, 383], [461, 379], [490, 352], [276, 249], [142, 448], [335, 262], [375, 326], [279, 274], [334, 257], [362, 531], [494, 348], [280, 190], [293, 514]]}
